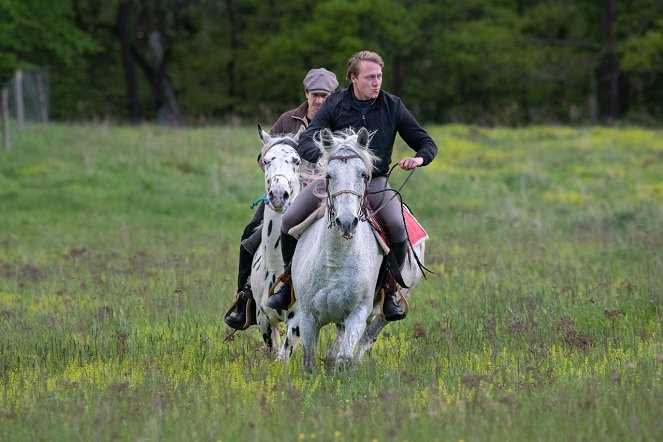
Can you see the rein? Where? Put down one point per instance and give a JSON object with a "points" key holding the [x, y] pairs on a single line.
{"points": [[331, 211]]}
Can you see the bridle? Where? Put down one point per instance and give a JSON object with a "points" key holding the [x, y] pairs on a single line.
{"points": [[331, 210]]}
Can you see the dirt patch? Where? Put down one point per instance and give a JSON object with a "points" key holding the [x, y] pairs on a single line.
{"points": [[26, 274]]}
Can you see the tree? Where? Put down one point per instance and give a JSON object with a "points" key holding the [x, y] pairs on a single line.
{"points": [[33, 33]]}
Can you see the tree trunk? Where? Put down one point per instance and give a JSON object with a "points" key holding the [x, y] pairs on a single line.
{"points": [[18, 99], [128, 62], [234, 44], [610, 100], [5, 117], [41, 95], [168, 111]]}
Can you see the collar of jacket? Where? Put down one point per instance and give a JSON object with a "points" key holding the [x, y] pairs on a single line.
{"points": [[300, 113], [348, 95]]}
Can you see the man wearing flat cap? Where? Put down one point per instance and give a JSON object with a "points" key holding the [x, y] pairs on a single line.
{"points": [[318, 85]]}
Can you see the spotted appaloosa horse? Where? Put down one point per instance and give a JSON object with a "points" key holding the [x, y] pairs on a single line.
{"points": [[282, 185], [335, 272]]}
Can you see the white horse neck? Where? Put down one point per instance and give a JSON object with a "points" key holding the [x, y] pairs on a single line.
{"points": [[271, 237], [338, 252]]}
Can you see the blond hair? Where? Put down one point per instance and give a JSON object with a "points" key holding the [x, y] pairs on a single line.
{"points": [[353, 62]]}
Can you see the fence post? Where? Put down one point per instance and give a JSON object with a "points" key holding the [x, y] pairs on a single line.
{"points": [[5, 117], [18, 98], [43, 107]]}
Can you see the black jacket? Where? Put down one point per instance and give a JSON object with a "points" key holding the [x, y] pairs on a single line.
{"points": [[386, 116]]}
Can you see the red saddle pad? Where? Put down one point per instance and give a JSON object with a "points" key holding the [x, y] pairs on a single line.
{"points": [[415, 232]]}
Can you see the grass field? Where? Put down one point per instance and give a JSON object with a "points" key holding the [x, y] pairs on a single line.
{"points": [[543, 320]]}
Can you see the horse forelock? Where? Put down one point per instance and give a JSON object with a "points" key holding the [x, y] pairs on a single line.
{"points": [[346, 140], [277, 140]]}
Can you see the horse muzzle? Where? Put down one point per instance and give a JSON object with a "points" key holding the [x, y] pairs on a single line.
{"points": [[279, 194], [347, 226]]}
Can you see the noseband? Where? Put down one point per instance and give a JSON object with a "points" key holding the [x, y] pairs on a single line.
{"points": [[331, 211]]}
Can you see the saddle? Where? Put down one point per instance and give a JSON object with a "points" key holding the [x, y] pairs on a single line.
{"points": [[415, 232]]}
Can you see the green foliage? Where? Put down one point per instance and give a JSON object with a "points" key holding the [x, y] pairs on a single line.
{"points": [[493, 62], [542, 320], [35, 31]]}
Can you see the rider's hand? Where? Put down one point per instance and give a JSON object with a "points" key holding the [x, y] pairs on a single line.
{"points": [[409, 163]]}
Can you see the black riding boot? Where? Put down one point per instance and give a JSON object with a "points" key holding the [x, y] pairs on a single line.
{"points": [[244, 309], [391, 308], [244, 294], [282, 299]]}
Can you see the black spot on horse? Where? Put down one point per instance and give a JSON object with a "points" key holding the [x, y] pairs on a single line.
{"points": [[291, 315], [295, 331], [278, 243], [269, 228], [266, 275]]}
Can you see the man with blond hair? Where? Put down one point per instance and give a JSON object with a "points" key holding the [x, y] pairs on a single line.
{"points": [[362, 104]]}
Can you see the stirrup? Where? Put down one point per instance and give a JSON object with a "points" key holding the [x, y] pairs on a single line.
{"points": [[249, 310], [286, 279], [406, 305]]}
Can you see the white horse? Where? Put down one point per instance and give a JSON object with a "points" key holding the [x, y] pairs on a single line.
{"points": [[281, 162], [335, 272]]}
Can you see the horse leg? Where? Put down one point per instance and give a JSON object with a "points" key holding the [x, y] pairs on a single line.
{"points": [[355, 324], [309, 331], [370, 335], [263, 326], [292, 336], [330, 357]]}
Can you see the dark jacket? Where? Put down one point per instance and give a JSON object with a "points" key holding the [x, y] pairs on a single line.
{"points": [[386, 116]]}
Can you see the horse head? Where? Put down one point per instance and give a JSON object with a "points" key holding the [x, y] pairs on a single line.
{"points": [[281, 163], [347, 163]]}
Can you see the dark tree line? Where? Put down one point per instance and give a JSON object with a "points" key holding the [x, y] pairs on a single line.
{"points": [[481, 61]]}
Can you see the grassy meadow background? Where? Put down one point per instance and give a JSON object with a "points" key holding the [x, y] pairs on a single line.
{"points": [[543, 320]]}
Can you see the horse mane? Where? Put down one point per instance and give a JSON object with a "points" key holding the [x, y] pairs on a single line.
{"points": [[346, 139]]}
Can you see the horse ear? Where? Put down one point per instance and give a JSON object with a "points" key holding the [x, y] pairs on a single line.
{"points": [[301, 130], [362, 138], [327, 139], [264, 136]]}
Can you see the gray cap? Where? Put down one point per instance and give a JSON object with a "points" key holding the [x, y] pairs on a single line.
{"points": [[320, 80]]}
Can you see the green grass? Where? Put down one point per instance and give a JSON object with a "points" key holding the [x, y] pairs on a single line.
{"points": [[542, 322]]}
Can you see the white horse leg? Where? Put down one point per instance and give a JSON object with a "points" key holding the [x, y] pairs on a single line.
{"points": [[371, 335], [292, 336], [309, 331], [270, 334], [355, 324], [330, 357]]}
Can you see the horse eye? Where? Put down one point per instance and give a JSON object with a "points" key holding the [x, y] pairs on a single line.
{"points": [[364, 175]]}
